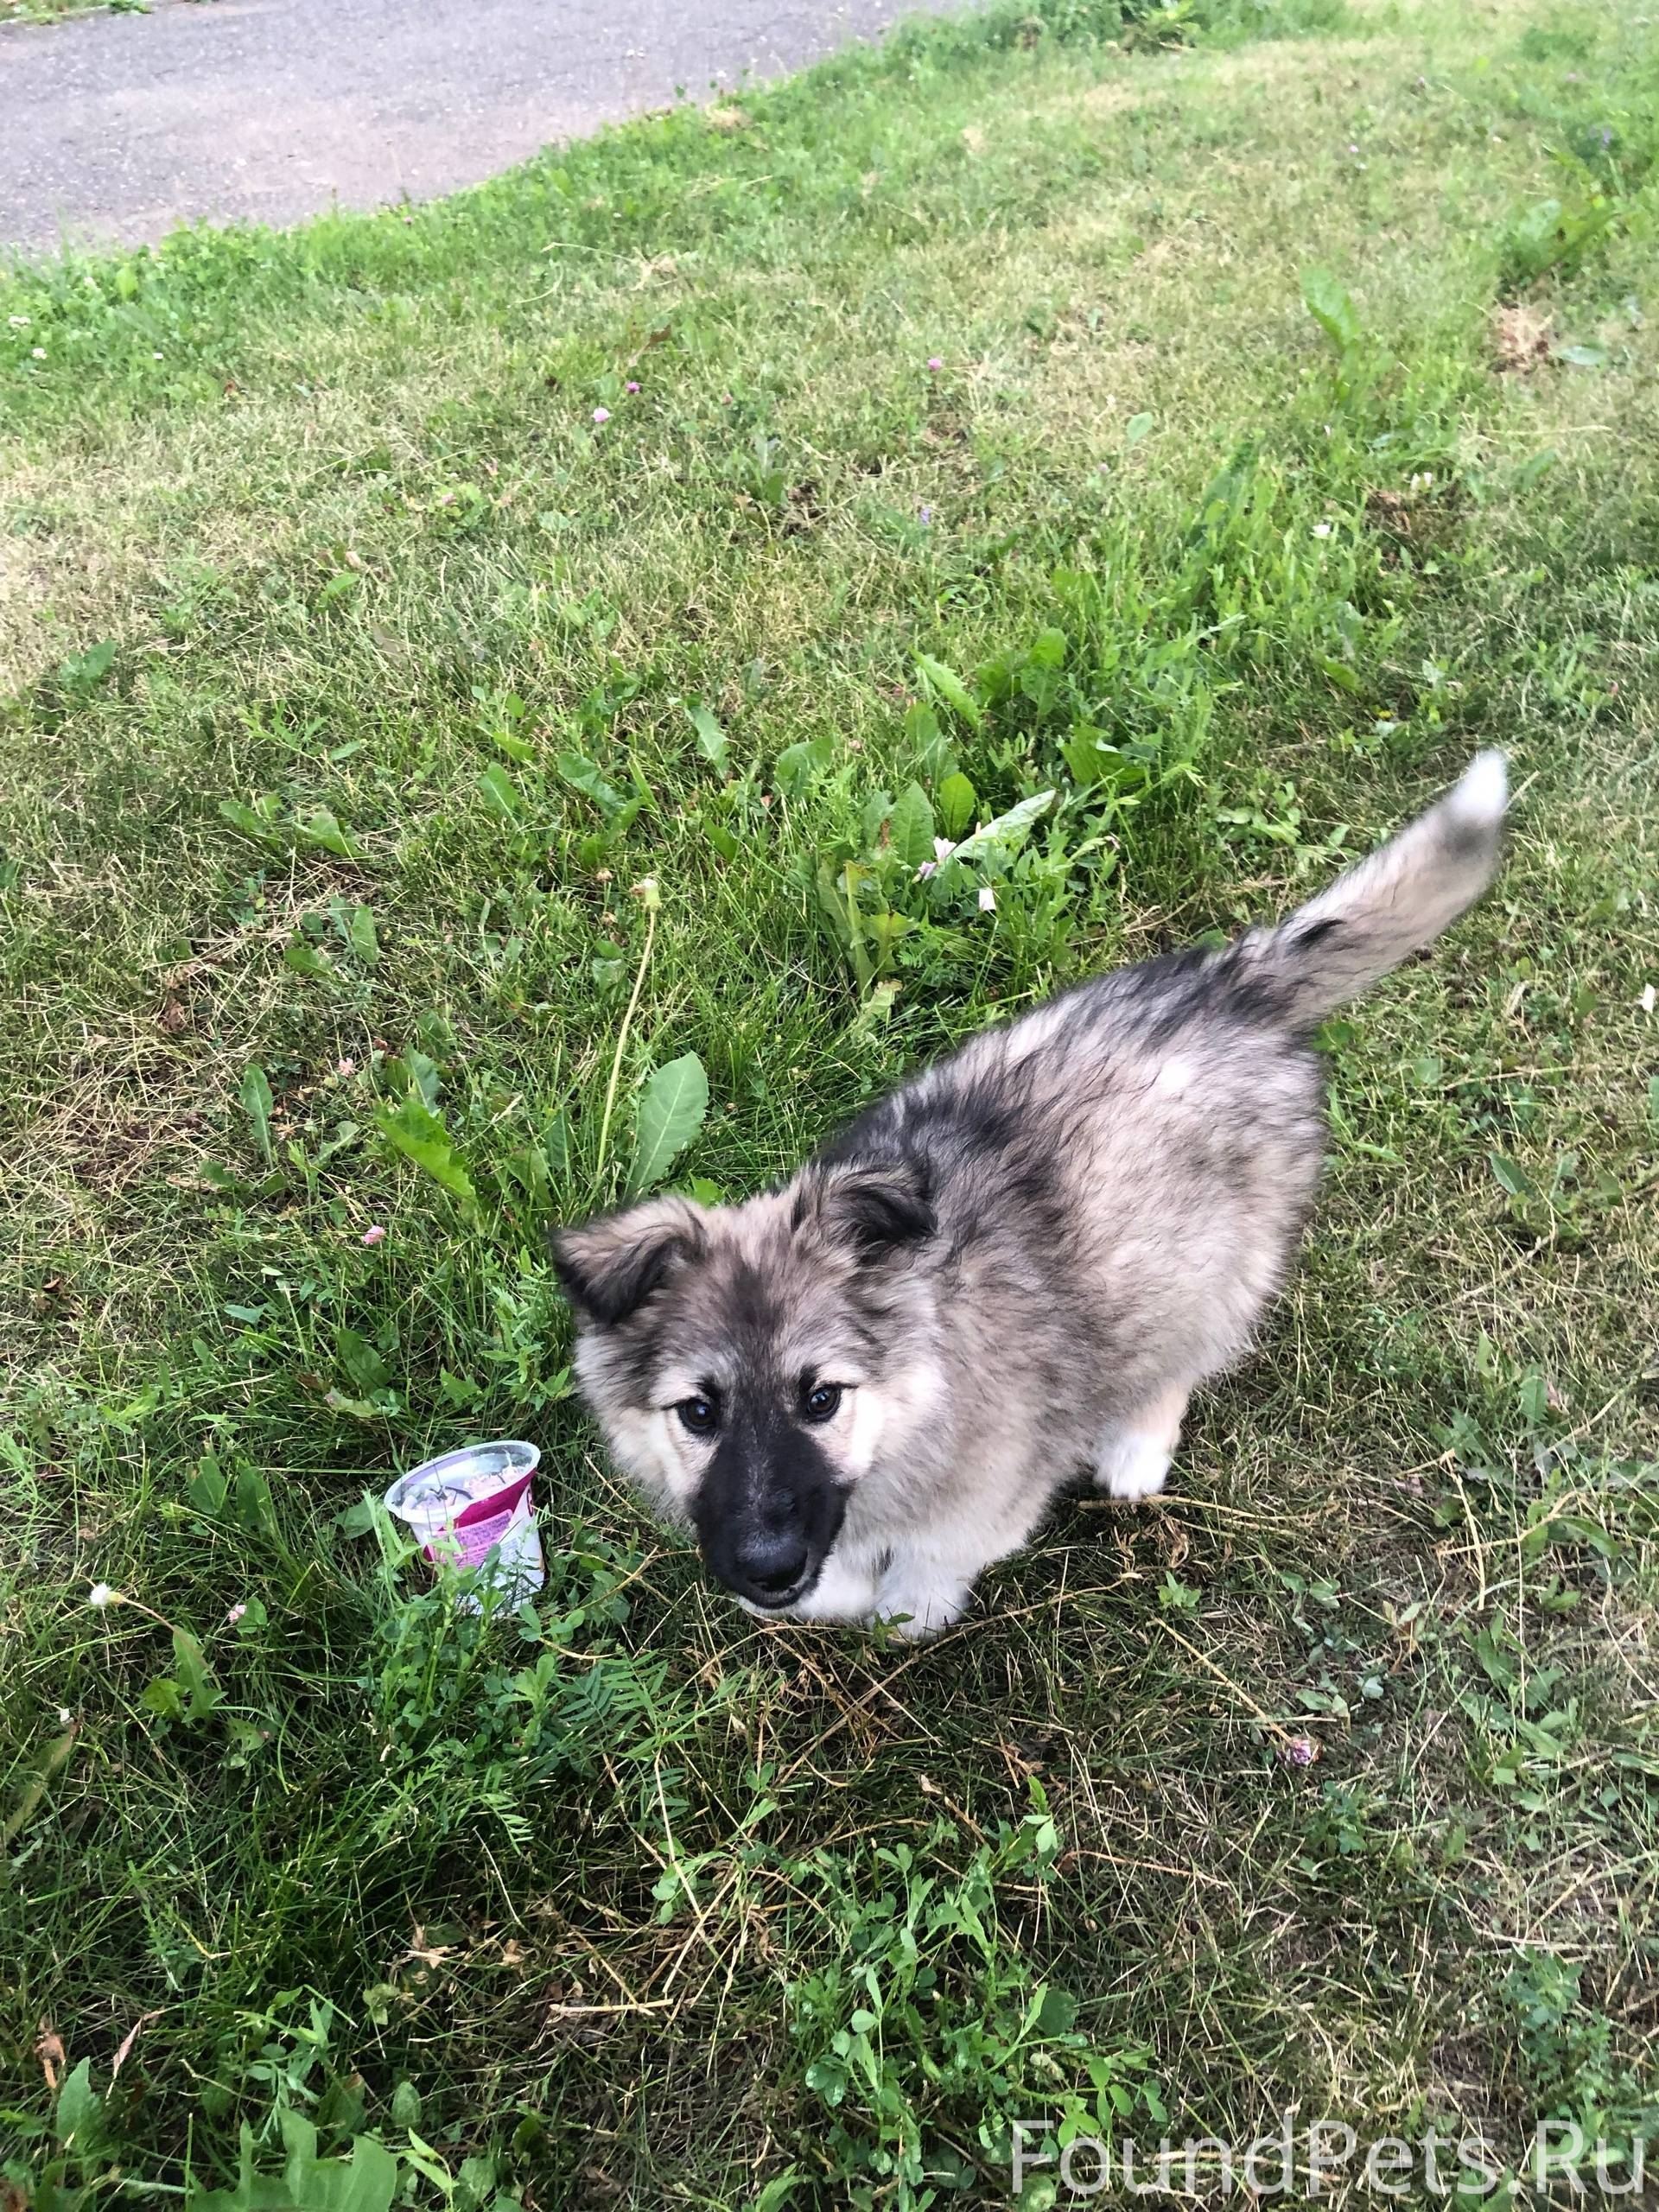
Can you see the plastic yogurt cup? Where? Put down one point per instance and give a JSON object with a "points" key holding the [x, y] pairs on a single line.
{"points": [[468, 1504]]}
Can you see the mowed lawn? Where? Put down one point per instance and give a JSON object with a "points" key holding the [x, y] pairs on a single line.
{"points": [[1209, 434]]}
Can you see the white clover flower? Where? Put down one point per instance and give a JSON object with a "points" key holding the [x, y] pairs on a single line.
{"points": [[100, 1596]]}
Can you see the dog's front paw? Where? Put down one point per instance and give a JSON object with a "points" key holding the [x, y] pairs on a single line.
{"points": [[1133, 1466], [918, 1608]]}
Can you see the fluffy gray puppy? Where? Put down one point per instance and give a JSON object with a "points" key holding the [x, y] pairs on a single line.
{"points": [[863, 1388]]}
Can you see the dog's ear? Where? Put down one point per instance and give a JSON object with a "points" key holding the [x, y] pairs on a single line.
{"points": [[874, 1208], [610, 1267]]}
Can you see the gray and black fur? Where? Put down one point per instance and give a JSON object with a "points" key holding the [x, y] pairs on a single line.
{"points": [[862, 1388]]}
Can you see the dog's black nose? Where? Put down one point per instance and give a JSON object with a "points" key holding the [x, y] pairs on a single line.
{"points": [[771, 1561]]}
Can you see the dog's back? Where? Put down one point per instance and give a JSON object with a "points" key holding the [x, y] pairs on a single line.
{"points": [[1121, 1177]]}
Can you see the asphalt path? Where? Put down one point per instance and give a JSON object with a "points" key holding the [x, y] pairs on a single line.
{"points": [[122, 126]]}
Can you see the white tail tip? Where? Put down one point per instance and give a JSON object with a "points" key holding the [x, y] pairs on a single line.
{"points": [[1481, 793]]}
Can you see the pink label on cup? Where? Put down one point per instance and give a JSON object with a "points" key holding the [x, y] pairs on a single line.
{"points": [[478, 1527], [471, 1540], [498, 1503]]}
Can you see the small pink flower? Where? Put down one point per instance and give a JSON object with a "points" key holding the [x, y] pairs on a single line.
{"points": [[936, 362], [631, 385], [725, 399], [986, 899], [1299, 1751], [374, 1234], [345, 1068], [602, 414], [234, 1615], [925, 870]]}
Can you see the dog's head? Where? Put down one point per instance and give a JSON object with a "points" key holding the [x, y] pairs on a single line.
{"points": [[749, 1364]]}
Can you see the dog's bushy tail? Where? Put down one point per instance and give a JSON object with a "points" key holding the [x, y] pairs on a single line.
{"points": [[1384, 909]]}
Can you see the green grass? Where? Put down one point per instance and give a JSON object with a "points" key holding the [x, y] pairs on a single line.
{"points": [[346, 687], [54, 11]]}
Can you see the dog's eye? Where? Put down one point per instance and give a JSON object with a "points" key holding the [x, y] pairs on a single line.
{"points": [[822, 1403], [699, 1415]]}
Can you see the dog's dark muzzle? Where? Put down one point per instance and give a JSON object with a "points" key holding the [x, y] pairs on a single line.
{"points": [[768, 1511]]}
